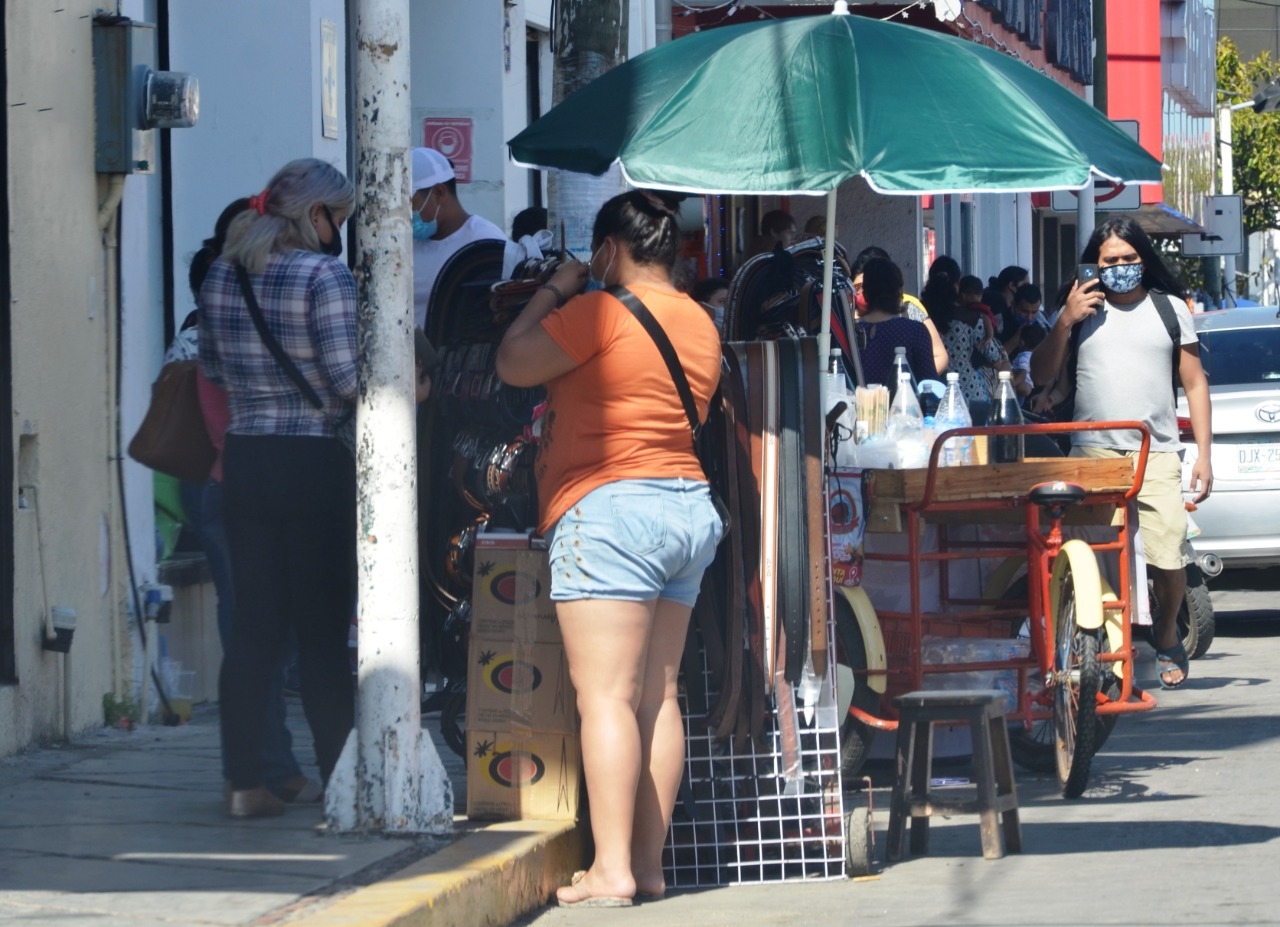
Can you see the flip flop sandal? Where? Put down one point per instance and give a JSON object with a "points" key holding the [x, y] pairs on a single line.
{"points": [[1173, 658], [593, 901]]}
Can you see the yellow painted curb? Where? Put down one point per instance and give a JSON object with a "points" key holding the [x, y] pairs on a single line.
{"points": [[486, 879]]}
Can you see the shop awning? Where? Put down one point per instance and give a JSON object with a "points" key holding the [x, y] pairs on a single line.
{"points": [[1161, 219]]}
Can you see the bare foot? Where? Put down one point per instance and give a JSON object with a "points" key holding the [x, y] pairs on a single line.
{"points": [[650, 886]]}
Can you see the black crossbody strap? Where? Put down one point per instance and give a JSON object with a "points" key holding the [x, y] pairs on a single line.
{"points": [[283, 359], [645, 318]]}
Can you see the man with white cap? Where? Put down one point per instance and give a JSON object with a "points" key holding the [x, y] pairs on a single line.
{"points": [[440, 225]]}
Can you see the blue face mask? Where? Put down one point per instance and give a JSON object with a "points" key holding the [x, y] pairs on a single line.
{"points": [[1121, 278], [422, 229], [596, 283]]}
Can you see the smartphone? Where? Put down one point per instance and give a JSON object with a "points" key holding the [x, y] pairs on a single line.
{"points": [[1086, 272]]}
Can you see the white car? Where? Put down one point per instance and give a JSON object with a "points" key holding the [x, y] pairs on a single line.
{"points": [[1240, 522]]}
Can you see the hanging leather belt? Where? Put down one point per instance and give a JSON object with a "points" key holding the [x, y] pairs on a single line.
{"points": [[815, 505], [793, 600]]}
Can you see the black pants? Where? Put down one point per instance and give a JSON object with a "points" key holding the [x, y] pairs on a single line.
{"points": [[289, 506]]}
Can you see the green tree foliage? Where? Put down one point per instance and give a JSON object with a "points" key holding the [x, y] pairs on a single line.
{"points": [[1255, 138]]}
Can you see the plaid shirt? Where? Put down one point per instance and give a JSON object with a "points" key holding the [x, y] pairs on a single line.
{"points": [[308, 301]]}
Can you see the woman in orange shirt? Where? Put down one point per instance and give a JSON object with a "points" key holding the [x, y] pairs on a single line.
{"points": [[629, 513]]}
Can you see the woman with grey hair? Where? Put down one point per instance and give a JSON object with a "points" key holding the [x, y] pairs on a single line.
{"points": [[289, 482]]}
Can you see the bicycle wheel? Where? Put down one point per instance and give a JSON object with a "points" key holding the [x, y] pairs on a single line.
{"points": [[851, 655], [1077, 676]]}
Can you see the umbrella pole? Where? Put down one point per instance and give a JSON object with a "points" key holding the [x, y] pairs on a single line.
{"points": [[828, 271]]}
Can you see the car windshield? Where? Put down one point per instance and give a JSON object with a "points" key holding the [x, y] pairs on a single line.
{"points": [[1241, 357]]}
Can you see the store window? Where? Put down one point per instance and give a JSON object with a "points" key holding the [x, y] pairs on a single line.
{"points": [[8, 667]]}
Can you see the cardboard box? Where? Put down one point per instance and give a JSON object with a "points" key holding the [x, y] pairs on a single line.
{"points": [[520, 776], [519, 686], [511, 596]]}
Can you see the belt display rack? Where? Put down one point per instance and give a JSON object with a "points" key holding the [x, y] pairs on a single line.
{"points": [[761, 800]]}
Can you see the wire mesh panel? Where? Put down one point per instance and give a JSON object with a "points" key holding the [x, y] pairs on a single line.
{"points": [[744, 817]]}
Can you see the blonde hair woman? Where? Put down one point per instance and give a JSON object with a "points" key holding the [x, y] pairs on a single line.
{"points": [[289, 483]]}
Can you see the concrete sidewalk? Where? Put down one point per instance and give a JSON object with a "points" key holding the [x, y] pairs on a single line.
{"points": [[127, 828]]}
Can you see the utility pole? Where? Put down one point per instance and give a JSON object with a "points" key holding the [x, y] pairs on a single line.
{"points": [[389, 777], [588, 38], [1096, 94]]}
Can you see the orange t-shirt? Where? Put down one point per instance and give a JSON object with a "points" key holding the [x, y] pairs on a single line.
{"points": [[617, 415]]}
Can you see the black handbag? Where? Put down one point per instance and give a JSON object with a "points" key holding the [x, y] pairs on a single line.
{"points": [[676, 369]]}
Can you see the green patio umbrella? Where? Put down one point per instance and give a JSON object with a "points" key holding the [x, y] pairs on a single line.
{"points": [[795, 106], [799, 105]]}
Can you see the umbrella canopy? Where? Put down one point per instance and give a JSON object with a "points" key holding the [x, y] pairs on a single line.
{"points": [[799, 105]]}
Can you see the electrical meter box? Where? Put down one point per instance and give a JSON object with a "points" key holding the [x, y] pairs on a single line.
{"points": [[132, 99]]}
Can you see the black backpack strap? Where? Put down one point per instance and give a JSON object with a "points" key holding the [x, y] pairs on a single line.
{"points": [[645, 318], [1168, 315], [283, 359]]}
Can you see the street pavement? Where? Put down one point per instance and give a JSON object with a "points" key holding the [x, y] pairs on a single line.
{"points": [[126, 828], [1180, 825]]}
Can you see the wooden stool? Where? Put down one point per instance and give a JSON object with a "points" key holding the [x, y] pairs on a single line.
{"points": [[983, 711]]}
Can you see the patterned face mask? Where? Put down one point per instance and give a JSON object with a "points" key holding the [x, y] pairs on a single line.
{"points": [[1121, 278]]}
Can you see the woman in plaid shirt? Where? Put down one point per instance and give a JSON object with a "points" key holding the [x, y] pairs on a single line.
{"points": [[289, 482]]}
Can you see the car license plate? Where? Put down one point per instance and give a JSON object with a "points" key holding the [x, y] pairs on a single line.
{"points": [[1258, 458]]}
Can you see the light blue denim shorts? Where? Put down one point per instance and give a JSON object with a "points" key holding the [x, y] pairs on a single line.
{"points": [[635, 540]]}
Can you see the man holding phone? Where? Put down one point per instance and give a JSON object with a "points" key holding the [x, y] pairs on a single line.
{"points": [[1122, 338]]}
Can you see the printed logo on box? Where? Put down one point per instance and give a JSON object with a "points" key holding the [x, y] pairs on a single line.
{"points": [[512, 586], [505, 674], [510, 768]]}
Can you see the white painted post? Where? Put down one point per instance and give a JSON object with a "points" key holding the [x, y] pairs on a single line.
{"points": [[389, 777], [1228, 187]]}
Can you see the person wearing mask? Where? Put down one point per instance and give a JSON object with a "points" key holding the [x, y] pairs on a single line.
{"points": [[884, 327], [912, 307], [288, 478], [1117, 316], [441, 227], [964, 333], [281, 771], [632, 524], [999, 296], [712, 294]]}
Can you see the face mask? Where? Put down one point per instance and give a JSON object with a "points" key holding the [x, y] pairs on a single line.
{"points": [[334, 247], [422, 229], [1121, 278], [860, 301], [594, 283]]}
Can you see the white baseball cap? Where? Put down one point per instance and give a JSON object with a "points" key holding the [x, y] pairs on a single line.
{"points": [[430, 167]]}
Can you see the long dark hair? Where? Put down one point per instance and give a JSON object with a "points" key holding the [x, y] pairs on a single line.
{"points": [[646, 221], [1156, 275], [211, 247], [939, 293], [882, 285]]}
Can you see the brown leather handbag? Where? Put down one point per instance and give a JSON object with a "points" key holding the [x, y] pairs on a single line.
{"points": [[172, 437]]}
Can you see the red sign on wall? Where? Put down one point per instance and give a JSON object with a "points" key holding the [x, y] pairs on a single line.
{"points": [[452, 138]]}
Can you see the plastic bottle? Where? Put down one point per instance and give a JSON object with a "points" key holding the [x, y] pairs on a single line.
{"points": [[900, 366], [906, 425], [953, 412], [837, 383], [1006, 411]]}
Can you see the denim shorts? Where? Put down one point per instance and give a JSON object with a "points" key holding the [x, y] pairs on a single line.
{"points": [[635, 540]]}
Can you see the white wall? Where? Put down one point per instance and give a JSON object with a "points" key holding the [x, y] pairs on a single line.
{"points": [[258, 62], [458, 71], [61, 375]]}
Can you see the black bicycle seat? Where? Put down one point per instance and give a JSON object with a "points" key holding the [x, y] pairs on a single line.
{"points": [[1056, 493]]}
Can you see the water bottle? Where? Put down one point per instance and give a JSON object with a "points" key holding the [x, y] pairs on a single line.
{"points": [[837, 383], [900, 366], [906, 425], [953, 412], [1006, 411]]}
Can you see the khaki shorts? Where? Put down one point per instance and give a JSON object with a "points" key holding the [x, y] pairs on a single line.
{"points": [[1161, 513]]}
